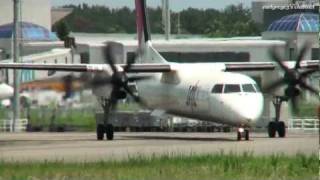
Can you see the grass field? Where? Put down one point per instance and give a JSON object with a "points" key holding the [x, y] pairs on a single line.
{"points": [[202, 167]]}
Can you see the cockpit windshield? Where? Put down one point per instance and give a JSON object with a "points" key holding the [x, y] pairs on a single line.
{"points": [[257, 88], [232, 88], [248, 88], [217, 89]]}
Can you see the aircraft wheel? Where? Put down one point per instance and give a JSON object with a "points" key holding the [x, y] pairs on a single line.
{"points": [[240, 132], [281, 129], [109, 131], [272, 127], [100, 132], [239, 136], [246, 134]]}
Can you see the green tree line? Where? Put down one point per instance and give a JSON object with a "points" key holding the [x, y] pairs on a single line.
{"points": [[234, 20]]}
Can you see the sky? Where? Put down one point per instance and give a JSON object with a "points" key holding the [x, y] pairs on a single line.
{"points": [[176, 5]]}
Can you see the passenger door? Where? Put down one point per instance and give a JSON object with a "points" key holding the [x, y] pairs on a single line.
{"points": [[216, 102]]}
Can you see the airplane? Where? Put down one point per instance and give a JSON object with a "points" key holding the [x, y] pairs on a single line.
{"points": [[6, 91], [214, 92]]}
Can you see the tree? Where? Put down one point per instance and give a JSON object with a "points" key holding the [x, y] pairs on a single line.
{"points": [[62, 30], [234, 20]]}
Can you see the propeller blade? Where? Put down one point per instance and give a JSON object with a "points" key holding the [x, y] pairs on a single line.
{"points": [[275, 56], [97, 82], [130, 61], [274, 85], [114, 99], [294, 105], [307, 73], [135, 97], [309, 88], [109, 58], [138, 78], [302, 53]]}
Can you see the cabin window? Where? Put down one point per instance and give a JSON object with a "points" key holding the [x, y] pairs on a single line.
{"points": [[232, 88], [248, 88], [217, 89]]}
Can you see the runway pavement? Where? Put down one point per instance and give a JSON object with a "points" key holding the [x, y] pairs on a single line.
{"points": [[83, 147]]}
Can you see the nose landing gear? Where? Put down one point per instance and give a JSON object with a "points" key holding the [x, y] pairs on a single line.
{"points": [[243, 132]]}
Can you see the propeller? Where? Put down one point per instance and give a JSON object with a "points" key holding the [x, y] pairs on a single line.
{"points": [[294, 79], [119, 79]]}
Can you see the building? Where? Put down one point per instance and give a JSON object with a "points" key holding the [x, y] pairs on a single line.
{"points": [[35, 39], [295, 30], [265, 12]]}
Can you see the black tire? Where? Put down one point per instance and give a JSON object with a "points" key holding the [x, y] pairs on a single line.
{"points": [[239, 136], [247, 134], [100, 132], [281, 129], [109, 132], [272, 128]]}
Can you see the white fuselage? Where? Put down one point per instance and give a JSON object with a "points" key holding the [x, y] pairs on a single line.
{"points": [[190, 92]]}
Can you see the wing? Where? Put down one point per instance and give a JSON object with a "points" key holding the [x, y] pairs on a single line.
{"points": [[136, 68], [269, 66]]}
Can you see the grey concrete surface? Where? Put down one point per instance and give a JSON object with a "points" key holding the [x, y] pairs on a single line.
{"points": [[82, 147]]}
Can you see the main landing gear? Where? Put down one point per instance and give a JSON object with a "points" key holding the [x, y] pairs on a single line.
{"points": [[277, 126], [243, 133], [106, 127]]}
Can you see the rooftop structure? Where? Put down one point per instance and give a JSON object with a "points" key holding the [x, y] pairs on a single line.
{"points": [[300, 22], [30, 32]]}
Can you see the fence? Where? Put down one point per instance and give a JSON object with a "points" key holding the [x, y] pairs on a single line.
{"points": [[311, 124], [6, 125]]}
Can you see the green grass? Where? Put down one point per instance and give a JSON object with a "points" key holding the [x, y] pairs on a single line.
{"points": [[217, 166], [83, 120]]}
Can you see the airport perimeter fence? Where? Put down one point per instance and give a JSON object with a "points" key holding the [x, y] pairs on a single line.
{"points": [[305, 124], [7, 125]]}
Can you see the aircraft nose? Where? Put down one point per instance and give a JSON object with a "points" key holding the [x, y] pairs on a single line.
{"points": [[251, 108]]}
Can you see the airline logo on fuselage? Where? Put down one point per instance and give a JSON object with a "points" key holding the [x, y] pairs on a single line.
{"points": [[192, 96]]}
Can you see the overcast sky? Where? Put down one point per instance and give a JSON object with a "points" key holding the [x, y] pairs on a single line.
{"points": [[176, 5]]}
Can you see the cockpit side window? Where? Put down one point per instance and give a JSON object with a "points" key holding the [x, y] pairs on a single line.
{"points": [[232, 88], [257, 88], [217, 89], [248, 88]]}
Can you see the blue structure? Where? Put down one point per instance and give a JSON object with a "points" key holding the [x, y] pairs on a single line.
{"points": [[301, 22], [30, 32]]}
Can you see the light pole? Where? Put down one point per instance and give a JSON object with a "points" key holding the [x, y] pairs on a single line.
{"points": [[166, 18], [16, 59]]}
